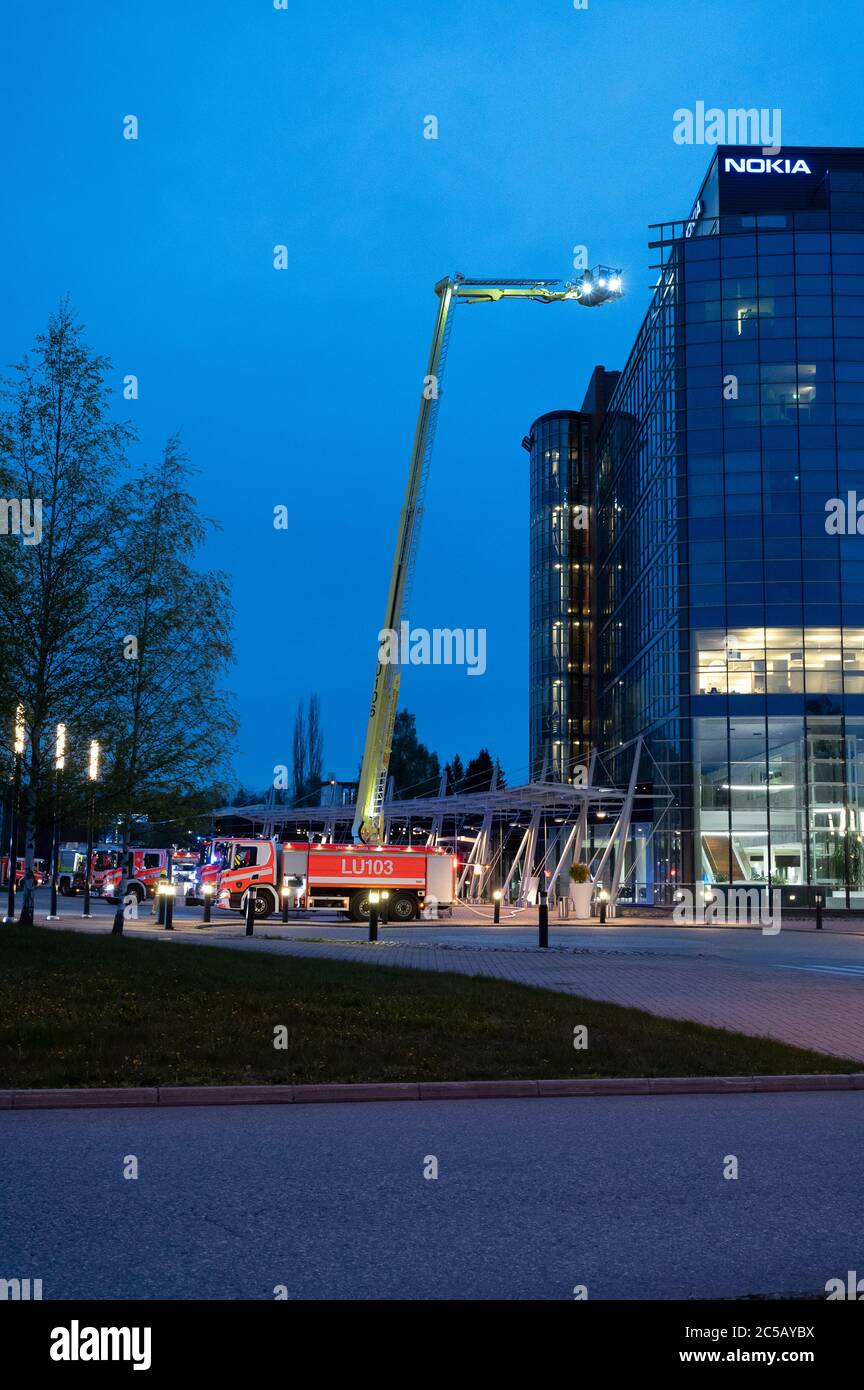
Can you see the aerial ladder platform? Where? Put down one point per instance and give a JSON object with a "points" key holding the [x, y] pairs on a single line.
{"points": [[593, 288]]}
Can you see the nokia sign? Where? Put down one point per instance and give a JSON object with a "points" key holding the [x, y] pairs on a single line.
{"points": [[766, 166]]}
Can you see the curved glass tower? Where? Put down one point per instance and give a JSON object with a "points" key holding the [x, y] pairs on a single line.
{"points": [[561, 705]]}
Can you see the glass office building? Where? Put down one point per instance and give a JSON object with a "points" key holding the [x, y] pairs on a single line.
{"points": [[729, 568]]}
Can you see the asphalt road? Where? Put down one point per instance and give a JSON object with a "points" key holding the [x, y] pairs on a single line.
{"points": [[533, 1197]]}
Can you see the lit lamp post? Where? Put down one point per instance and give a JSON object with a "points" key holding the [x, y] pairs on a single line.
{"points": [[59, 764], [20, 736], [168, 890], [374, 899], [385, 900], [496, 915], [93, 775]]}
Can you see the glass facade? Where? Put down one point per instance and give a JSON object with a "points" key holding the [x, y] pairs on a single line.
{"points": [[561, 690], [730, 605]]}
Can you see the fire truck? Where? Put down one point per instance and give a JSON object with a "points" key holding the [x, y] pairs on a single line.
{"points": [[70, 879], [327, 877], [39, 872], [148, 867]]}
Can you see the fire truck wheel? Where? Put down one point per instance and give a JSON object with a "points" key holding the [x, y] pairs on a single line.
{"points": [[403, 908], [359, 909], [265, 903]]}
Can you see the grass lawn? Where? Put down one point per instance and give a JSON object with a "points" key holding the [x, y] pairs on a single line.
{"points": [[80, 1010]]}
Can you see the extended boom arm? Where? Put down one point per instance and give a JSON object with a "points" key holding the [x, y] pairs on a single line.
{"points": [[594, 288]]}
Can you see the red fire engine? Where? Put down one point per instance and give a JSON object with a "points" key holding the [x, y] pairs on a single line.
{"points": [[39, 872], [72, 866], [327, 877], [148, 867]]}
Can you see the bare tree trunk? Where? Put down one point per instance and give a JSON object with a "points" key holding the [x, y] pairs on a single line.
{"points": [[28, 900]]}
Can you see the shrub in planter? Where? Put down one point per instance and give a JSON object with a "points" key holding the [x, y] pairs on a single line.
{"points": [[581, 891]]}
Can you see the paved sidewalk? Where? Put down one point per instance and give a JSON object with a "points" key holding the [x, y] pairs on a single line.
{"points": [[773, 987]]}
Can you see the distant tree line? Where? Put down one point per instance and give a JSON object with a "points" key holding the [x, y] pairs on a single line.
{"points": [[417, 772]]}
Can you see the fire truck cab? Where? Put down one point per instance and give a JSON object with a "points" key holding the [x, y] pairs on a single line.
{"points": [[148, 867], [39, 873], [71, 877]]}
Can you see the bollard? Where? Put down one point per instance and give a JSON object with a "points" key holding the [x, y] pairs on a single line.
{"points": [[373, 916], [385, 897], [161, 898], [543, 918], [496, 914], [208, 904], [818, 899], [169, 906], [604, 897], [250, 911], [285, 901]]}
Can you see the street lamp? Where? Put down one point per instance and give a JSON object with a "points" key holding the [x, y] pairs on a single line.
{"points": [[166, 892], [59, 764], [20, 738], [93, 776]]}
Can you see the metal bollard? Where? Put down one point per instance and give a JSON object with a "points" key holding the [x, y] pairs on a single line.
{"points": [[286, 898], [162, 899], [373, 916], [169, 906], [819, 900], [543, 919], [496, 913], [208, 905], [250, 911]]}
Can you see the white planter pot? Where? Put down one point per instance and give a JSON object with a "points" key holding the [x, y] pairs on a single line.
{"points": [[580, 897]]}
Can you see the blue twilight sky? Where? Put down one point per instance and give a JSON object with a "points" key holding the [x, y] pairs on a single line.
{"points": [[304, 126]]}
